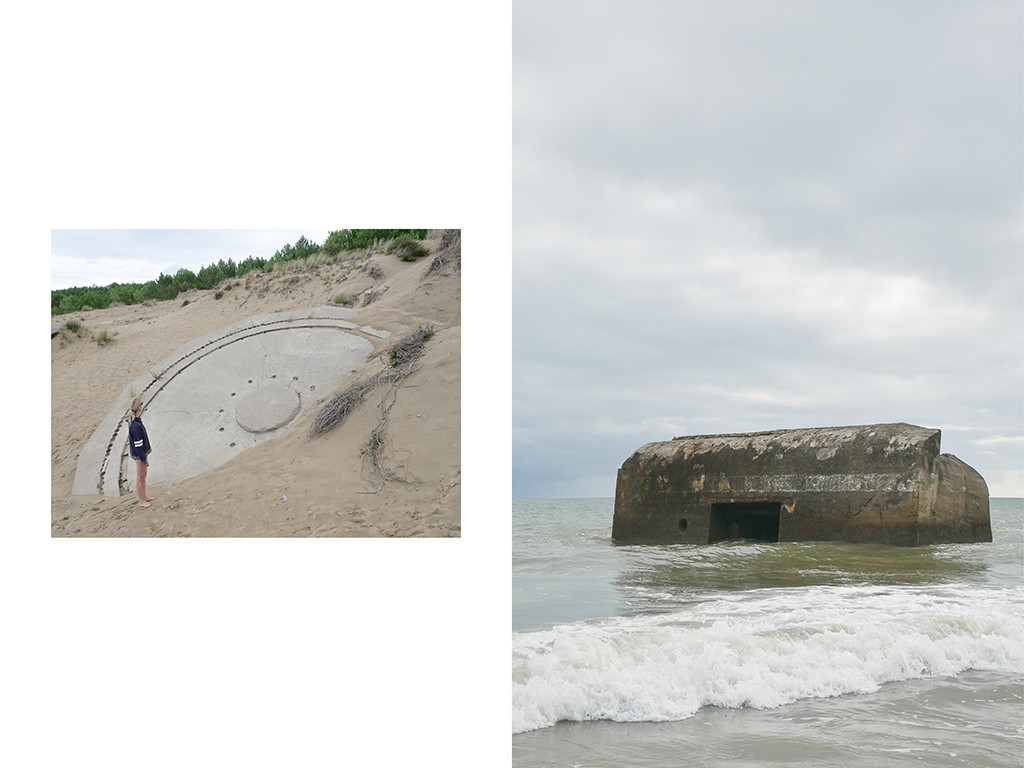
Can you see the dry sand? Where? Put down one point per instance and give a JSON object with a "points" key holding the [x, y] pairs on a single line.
{"points": [[289, 485]]}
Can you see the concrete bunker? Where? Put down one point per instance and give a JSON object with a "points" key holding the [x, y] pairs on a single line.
{"points": [[881, 483]]}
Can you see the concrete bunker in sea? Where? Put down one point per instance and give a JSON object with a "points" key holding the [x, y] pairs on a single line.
{"points": [[883, 483]]}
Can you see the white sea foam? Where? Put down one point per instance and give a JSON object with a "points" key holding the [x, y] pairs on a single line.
{"points": [[761, 649]]}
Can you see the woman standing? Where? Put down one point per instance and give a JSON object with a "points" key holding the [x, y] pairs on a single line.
{"points": [[139, 449]]}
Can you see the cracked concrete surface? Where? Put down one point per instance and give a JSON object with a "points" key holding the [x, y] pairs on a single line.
{"points": [[224, 393]]}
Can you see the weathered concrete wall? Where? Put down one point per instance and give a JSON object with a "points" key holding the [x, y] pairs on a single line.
{"points": [[883, 483], [959, 511]]}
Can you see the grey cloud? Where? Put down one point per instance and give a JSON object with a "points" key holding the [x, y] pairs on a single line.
{"points": [[748, 216], [831, 122]]}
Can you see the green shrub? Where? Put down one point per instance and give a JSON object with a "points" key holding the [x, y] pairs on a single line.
{"points": [[209, 277], [354, 239], [98, 298], [228, 268], [407, 248], [302, 249], [69, 304], [249, 265], [126, 294], [158, 290], [184, 279]]}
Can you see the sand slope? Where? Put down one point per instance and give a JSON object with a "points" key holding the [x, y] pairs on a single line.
{"points": [[290, 485]]}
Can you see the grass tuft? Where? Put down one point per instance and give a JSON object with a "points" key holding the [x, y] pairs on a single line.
{"points": [[410, 346], [371, 447], [407, 248]]}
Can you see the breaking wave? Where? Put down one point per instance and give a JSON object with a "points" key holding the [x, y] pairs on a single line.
{"points": [[761, 649]]}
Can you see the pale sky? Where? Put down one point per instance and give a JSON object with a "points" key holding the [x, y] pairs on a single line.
{"points": [[86, 257], [741, 216]]}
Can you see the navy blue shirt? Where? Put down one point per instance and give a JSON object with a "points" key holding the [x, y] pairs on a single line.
{"points": [[138, 441]]}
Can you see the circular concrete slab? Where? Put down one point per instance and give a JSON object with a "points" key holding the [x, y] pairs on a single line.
{"points": [[268, 408], [225, 392], [193, 422]]}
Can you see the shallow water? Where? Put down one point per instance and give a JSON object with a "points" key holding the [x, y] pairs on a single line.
{"points": [[969, 720], [771, 653]]}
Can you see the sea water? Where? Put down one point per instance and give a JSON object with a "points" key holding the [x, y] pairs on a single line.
{"points": [[737, 653]]}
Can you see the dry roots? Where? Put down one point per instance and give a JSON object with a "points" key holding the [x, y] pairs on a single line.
{"points": [[400, 361], [448, 252], [337, 409]]}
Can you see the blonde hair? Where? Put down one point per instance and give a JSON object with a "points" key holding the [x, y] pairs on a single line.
{"points": [[133, 409]]}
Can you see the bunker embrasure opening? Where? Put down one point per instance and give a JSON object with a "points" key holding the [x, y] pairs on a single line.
{"points": [[756, 520]]}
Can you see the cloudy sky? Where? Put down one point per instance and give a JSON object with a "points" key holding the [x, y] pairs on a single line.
{"points": [[85, 257], [738, 216]]}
